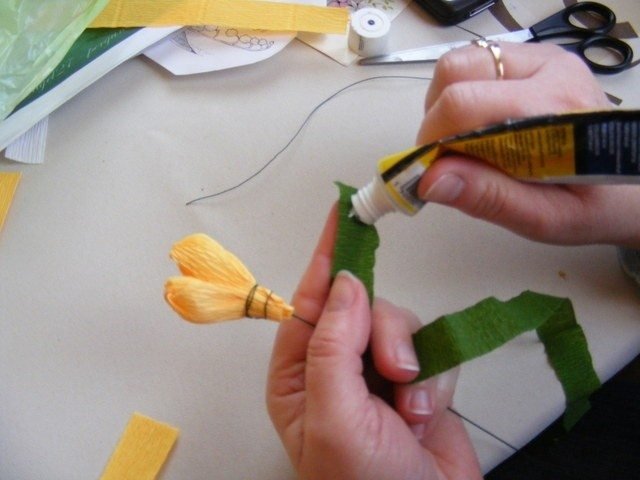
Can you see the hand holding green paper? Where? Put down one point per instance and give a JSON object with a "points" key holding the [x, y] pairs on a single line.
{"points": [[456, 338], [331, 425], [317, 397], [462, 97]]}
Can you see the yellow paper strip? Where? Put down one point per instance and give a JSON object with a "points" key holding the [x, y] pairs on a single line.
{"points": [[228, 13], [141, 451], [8, 185]]}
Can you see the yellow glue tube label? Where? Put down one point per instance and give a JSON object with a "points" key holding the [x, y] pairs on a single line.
{"points": [[592, 147], [401, 173], [531, 154]]}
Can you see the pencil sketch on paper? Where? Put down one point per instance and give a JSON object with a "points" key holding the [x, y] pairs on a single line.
{"points": [[208, 48], [358, 4], [198, 39]]}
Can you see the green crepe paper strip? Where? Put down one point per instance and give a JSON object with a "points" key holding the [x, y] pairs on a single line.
{"points": [[356, 243], [454, 339]]}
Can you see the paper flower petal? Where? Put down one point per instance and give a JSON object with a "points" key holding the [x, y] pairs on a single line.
{"points": [[204, 302], [200, 256]]}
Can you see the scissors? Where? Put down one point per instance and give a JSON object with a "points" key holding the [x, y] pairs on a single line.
{"points": [[591, 37]]}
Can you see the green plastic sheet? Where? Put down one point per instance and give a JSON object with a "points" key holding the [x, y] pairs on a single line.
{"points": [[34, 37], [92, 43], [459, 337]]}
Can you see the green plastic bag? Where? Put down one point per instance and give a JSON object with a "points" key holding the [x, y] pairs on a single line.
{"points": [[34, 37]]}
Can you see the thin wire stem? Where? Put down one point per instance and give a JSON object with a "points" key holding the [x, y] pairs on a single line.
{"points": [[482, 429], [470, 31], [304, 123], [303, 320], [451, 409]]}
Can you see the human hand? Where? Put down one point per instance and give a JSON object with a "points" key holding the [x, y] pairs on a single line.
{"points": [[539, 79], [330, 423]]}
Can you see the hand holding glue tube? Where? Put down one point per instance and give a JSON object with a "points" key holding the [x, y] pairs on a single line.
{"points": [[465, 95], [330, 424]]}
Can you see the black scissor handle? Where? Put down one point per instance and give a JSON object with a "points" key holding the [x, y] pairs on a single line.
{"points": [[621, 49], [559, 23]]}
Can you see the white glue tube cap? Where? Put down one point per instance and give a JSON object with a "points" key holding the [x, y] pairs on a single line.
{"points": [[372, 202]]}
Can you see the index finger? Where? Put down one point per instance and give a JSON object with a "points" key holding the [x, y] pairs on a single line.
{"points": [[462, 103], [473, 63]]}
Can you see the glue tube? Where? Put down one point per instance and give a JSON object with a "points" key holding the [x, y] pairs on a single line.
{"points": [[589, 148]]}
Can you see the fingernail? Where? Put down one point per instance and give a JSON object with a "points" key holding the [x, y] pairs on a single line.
{"points": [[446, 381], [342, 293], [406, 357], [420, 402], [445, 190], [418, 430]]}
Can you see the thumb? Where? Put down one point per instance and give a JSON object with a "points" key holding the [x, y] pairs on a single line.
{"points": [[334, 381], [483, 191]]}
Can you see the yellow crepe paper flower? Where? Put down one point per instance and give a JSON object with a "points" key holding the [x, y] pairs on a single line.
{"points": [[216, 286]]}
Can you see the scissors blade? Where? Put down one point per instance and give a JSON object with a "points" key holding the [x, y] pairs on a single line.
{"points": [[433, 52], [424, 54], [519, 36]]}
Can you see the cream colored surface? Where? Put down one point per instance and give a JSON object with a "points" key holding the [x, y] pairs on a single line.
{"points": [[87, 338]]}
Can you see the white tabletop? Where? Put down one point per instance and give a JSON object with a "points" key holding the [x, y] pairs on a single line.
{"points": [[87, 338]]}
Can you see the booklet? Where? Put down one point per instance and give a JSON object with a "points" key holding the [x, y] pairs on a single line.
{"points": [[96, 52]]}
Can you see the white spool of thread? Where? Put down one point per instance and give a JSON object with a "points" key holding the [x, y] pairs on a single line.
{"points": [[368, 32]]}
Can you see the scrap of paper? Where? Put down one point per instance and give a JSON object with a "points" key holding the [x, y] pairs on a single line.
{"points": [[336, 46], [30, 146], [208, 48], [262, 15], [141, 451], [8, 184]]}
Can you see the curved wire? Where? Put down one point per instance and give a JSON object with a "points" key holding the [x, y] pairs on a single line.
{"points": [[304, 123]]}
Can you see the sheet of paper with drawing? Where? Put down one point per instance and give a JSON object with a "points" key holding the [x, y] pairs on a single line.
{"points": [[200, 49], [210, 48]]}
